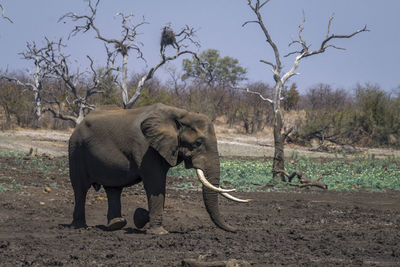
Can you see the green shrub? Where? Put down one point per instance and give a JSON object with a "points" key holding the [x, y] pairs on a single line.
{"points": [[370, 118]]}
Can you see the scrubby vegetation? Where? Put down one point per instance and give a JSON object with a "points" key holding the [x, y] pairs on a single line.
{"points": [[359, 172], [47, 170], [368, 116]]}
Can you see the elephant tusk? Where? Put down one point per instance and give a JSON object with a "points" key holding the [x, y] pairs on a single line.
{"points": [[235, 198], [203, 180]]}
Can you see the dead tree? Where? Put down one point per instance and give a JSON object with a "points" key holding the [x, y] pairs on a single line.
{"points": [[3, 14], [114, 47], [128, 42], [281, 78], [60, 68], [40, 73]]}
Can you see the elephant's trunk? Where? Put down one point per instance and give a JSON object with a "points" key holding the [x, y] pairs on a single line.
{"points": [[210, 197]]}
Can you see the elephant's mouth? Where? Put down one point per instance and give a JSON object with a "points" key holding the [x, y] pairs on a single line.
{"points": [[187, 159], [188, 163]]}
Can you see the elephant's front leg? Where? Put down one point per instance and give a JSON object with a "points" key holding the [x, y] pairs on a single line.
{"points": [[153, 172], [115, 220], [155, 190]]}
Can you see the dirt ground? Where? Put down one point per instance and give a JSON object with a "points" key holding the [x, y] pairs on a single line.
{"points": [[229, 144], [299, 227]]}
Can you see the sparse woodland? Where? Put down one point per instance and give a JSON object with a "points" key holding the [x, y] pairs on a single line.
{"points": [[367, 115], [56, 95], [310, 208]]}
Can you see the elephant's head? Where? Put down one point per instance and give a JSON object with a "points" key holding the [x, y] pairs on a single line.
{"points": [[179, 135]]}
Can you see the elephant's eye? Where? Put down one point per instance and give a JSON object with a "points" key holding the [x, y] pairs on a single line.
{"points": [[198, 142]]}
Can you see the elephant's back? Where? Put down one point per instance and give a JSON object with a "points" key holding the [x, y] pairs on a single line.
{"points": [[118, 126]]}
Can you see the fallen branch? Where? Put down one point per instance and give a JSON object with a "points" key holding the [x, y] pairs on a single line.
{"points": [[303, 181]]}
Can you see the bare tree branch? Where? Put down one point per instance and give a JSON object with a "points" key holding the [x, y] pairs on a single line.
{"points": [[151, 72], [88, 19], [256, 9], [247, 90], [305, 52], [325, 45], [29, 85], [303, 181], [58, 64], [329, 24], [250, 21], [265, 2], [182, 40], [58, 113], [186, 38], [187, 35], [301, 29], [94, 87], [268, 63], [3, 15], [121, 46], [260, 95]]}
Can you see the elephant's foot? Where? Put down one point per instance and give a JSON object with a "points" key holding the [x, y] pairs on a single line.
{"points": [[78, 224], [140, 218], [116, 224], [156, 230]]}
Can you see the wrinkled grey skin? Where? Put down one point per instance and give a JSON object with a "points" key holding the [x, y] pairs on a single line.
{"points": [[121, 148]]}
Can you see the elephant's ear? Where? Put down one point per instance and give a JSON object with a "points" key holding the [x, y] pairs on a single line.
{"points": [[161, 130]]}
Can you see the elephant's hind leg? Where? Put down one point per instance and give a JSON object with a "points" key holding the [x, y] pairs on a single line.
{"points": [[115, 220], [78, 177], [79, 217]]}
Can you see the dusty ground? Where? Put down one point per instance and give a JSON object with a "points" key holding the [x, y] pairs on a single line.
{"points": [[299, 227], [229, 145]]}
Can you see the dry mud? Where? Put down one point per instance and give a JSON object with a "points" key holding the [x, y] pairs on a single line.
{"points": [[299, 227]]}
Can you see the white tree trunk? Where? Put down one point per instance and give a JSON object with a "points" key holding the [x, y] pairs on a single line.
{"points": [[279, 159], [38, 106], [124, 85], [36, 93], [81, 114]]}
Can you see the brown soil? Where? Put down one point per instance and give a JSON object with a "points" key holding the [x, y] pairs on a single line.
{"points": [[299, 227]]}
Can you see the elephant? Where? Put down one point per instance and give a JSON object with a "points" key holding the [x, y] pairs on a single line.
{"points": [[120, 148]]}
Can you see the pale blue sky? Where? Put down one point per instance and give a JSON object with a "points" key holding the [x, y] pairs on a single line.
{"points": [[372, 57]]}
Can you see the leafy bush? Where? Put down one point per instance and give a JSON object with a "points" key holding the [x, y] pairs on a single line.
{"points": [[16, 105], [376, 116]]}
